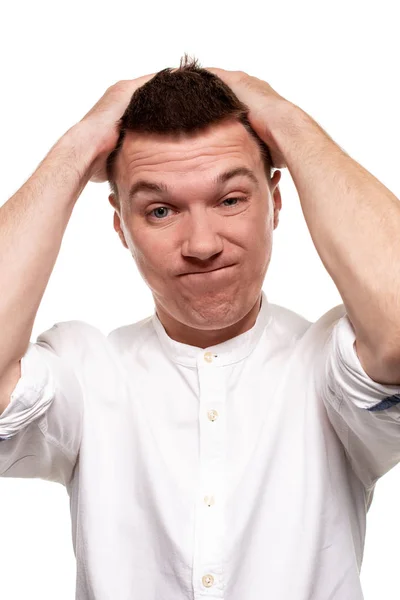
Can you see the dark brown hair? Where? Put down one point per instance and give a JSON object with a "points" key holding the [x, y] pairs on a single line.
{"points": [[184, 101]]}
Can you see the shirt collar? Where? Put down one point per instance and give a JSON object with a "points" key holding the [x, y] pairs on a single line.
{"points": [[228, 352]]}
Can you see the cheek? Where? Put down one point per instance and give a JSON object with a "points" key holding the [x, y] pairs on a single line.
{"points": [[152, 252], [256, 231], [260, 243]]}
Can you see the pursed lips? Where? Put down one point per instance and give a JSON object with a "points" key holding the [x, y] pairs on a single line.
{"points": [[210, 271]]}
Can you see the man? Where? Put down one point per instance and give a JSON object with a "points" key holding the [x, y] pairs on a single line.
{"points": [[224, 447]]}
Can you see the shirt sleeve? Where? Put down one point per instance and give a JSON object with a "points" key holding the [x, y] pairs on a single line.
{"points": [[41, 428], [364, 413]]}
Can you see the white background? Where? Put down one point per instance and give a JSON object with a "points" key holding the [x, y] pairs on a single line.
{"points": [[338, 61]]}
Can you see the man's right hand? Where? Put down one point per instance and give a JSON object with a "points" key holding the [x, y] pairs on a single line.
{"points": [[33, 221], [103, 118]]}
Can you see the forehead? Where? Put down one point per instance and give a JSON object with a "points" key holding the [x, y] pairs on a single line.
{"points": [[171, 158]]}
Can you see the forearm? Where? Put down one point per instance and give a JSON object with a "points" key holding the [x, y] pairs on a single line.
{"points": [[354, 221], [32, 225]]}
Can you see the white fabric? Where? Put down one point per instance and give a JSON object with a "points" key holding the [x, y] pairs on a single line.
{"points": [[242, 471]]}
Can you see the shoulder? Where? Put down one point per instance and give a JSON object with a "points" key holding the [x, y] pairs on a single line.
{"points": [[79, 337], [67, 331], [288, 325], [73, 339], [141, 333], [292, 327]]}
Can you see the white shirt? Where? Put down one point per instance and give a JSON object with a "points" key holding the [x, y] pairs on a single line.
{"points": [[242, 471]]}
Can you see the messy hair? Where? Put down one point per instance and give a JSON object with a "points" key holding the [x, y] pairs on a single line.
{"points": [[186, 100]]}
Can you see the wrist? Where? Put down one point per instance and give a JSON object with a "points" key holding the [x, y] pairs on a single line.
{"points": [[288, 131], [82, 143], [288, 124], [282, 116]]}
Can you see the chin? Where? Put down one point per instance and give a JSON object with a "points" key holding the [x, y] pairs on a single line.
{"points": [[213, 312]]}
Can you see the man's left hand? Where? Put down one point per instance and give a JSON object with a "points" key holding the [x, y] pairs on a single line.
{"points": [[263, 103]]}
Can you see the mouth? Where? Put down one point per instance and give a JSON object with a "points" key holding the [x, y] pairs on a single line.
{"points": [[210, 272]]}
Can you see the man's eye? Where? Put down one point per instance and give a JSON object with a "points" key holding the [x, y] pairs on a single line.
{"points": [[161, 211], [229, 199], [238, 200], [159, 208]]}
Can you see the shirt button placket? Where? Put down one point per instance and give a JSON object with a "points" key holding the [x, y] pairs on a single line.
{"points": [[208, 557]]}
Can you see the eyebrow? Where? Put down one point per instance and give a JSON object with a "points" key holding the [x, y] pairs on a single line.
{"points": [[161, 188]]}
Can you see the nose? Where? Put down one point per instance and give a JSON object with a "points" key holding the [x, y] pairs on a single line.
{"points": [[201, 239]]}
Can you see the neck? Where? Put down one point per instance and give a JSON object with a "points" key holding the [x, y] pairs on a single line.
{"points": [[210, 337]]}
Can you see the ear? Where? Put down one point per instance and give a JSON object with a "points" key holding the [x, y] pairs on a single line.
{"points": [[276, 196], [117, 219]]}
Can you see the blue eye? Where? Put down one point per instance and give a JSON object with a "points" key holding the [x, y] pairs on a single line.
{"points": [[158, 208]]}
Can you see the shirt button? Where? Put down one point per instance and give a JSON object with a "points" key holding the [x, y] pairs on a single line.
{"points": [[212, 415], [208, 357], [208, 580], [209, 500]]}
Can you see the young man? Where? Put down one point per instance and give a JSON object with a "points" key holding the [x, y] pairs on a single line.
{"points": [[224, 447]]}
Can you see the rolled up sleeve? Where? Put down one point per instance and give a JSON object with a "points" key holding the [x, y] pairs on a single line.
{"points": [[32, 395], [41, 428], [364, 413]]}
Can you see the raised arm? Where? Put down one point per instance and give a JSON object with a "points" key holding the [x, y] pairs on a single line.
{"points": [[33, 222]]}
